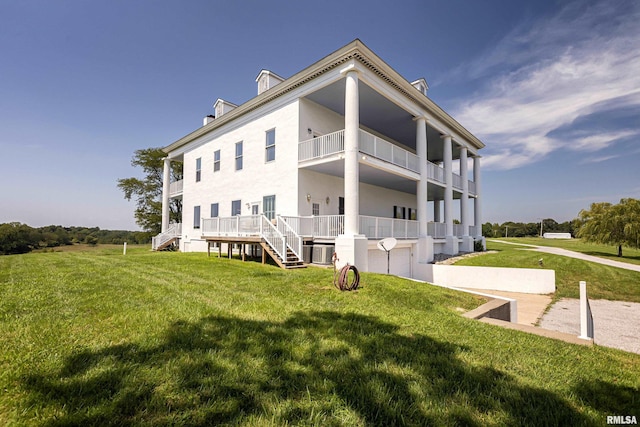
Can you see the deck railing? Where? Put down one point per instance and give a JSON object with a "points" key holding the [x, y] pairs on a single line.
{"points": [[294, 228], [378, 228], [437, 230], [278, 237]]}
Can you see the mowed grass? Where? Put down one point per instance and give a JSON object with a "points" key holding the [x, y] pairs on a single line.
{"points": [[629, 255], [603, 282], [97, 338]]}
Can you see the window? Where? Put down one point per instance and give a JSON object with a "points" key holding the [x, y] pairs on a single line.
{"points": [[270, 154], [236, 208], [315, 209], [238, 155], [340, 205], [216, 160], [399, 212], [196, 217], [198, 169], [269, 206], [214, 210]]}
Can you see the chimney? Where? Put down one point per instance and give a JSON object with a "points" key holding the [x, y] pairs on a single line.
{"points": [[266, 80], [208, 119], [421, 85], [222, 107]]}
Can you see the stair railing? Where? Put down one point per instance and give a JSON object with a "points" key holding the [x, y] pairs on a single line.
{"points": [[294, 241], [274, 238]]}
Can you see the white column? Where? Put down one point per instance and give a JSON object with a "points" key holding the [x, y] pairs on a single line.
{"points": [[166, 176], [421, 149], [477, 204], [464, 201], [351, 165], [448, 179]]}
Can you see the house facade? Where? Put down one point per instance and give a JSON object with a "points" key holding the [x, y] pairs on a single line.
{"points": [[333, 159]]}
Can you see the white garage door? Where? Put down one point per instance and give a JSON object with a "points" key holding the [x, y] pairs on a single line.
{"points": [[399, 261]]}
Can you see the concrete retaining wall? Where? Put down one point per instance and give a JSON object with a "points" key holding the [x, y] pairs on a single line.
{"points": [[524, 280]]}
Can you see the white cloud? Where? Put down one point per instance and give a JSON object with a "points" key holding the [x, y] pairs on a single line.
{"points": [[600, 159], [577, 63]]}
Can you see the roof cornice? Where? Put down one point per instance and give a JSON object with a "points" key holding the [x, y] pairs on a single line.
{"points": [[354, 50]]}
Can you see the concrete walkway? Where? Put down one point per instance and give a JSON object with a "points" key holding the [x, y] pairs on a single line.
{"points": [[577, 255], [530, 307]]}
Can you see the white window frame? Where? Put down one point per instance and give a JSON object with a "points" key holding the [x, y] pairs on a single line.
{"points": [[270, 148], [238, 157], [236, 207], [196, 217], [216, 160], [198, 169]]}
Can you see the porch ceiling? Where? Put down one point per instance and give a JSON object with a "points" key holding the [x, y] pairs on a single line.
{"points": [[382, 115]]}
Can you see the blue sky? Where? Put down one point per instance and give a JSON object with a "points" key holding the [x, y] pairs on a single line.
{"points": [[552, 88]]}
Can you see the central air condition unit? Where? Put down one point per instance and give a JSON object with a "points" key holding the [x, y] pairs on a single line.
{"points": [[322, 254]]}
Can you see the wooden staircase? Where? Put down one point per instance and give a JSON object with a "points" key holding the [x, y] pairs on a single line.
{"points": [[166, 244], [290, 262]]}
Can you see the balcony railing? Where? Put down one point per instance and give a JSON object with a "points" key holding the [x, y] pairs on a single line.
{"points": [[435, 172], [176, 188], [321, 146], [378, 148]]}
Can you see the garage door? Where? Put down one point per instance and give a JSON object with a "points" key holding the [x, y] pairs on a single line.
{"points": [[399, 262]]}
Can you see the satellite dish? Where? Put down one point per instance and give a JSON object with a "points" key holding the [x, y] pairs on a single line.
{"points": [[387, 244]]}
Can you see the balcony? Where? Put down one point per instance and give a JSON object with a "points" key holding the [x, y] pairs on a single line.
{"points": [[176, 188], [332, 144]]}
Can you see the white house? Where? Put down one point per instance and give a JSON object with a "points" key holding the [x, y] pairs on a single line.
{"points": [[334, 158]]}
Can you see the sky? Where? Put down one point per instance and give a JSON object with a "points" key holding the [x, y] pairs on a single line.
{"points": [[551, 87]]}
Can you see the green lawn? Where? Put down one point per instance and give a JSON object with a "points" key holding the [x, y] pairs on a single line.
{"points": [[603, 282], [96, 338], [629, 255]]}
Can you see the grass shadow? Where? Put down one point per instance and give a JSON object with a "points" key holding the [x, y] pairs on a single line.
{"points": [[315, 368]]}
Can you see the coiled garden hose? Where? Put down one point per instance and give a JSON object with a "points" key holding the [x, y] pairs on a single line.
{"points": [[343, 279]]}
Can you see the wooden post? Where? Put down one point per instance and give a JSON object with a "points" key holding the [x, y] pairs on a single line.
{"points": [[264, 256], [208, 249], [229, 249], [219, 249], [243, 252]]}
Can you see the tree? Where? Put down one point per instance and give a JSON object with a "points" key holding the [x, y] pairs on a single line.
{"points": [[148, 191], [611, 224]]}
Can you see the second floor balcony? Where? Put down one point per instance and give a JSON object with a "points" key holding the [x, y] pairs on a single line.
{"points": [[330, 147]]}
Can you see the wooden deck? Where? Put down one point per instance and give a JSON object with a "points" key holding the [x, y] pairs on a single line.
{"points": [[251, 243]]}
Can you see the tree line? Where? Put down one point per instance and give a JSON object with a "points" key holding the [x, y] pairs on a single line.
{"points": [[529, 229], [17, 238]]}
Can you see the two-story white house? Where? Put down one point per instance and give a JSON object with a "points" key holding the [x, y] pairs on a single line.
{"points": [[334, 158]]}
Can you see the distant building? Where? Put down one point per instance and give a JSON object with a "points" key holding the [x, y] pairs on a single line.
{"points": [[334, 158]]}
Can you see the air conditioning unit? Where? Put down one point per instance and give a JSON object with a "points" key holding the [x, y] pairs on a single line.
{"points": [[322, 254]]}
